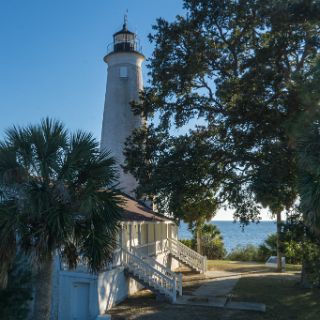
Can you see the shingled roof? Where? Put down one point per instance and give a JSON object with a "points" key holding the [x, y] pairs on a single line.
{"points": [[134, 210]]}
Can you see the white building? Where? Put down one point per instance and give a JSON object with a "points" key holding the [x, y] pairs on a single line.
{"points": [[124, 83], [148, 250]]}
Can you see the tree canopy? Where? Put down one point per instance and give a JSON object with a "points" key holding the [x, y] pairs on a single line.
{"points": [[233, 68]]}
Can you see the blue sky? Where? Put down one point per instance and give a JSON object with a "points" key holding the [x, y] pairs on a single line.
{"points": [[51, 55]]}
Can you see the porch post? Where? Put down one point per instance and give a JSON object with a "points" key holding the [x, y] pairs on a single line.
{"points": [[180, 284], [122, 236], [121, 243], [147, 224], [139, 234], [161, 235]]}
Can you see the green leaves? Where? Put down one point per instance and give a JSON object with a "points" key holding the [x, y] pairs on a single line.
{"points": [[230, 74], [57, 195]]}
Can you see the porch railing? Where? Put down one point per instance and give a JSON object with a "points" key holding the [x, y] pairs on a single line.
{"points": [[152, 248]]}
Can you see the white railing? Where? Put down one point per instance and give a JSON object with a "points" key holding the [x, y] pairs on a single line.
{"points": [[82, 266], [177, 277], [187, 255], [150, 275], [151, 249], [116, 258]]}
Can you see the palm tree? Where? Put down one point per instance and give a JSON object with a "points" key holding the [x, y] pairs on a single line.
{"points": [[212, 242], [309, 190], [307, 131], [56, 196], [309, 178], [208, 241]]}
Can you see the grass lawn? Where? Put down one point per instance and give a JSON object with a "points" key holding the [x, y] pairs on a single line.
{"points": [[247, 266], [284, 298]]}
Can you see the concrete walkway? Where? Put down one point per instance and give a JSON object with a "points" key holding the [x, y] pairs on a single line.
{"points": [[215, 291], [211, 292]]}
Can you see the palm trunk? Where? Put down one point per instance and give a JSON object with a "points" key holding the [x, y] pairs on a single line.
{"points": [[43, 289], [279, 254]]}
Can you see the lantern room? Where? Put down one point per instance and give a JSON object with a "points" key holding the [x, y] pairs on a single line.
{"points": [[125, 40]]}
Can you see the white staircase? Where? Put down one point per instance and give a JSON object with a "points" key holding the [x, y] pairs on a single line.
{"points": [[188, 256], [152, 275]]}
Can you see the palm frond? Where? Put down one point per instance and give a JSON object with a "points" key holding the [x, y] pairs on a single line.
{"points": [[61, 187]]}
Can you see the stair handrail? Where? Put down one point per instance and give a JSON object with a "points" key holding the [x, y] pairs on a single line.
{"points": [[168, 285], [168, 272], [194, 258], [182, 245]]}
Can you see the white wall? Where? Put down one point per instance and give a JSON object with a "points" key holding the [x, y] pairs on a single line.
{"points": [[118, 118], [67, 281], [114, 287], [105, 290], [110, 287]]}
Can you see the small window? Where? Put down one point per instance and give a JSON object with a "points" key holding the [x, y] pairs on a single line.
{"points": [[123, 72]]}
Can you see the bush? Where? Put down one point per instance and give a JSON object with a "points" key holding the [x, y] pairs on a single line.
{"points": [[15, 298], [246, 253], [291, 249], [312, 263], [189, 243]]}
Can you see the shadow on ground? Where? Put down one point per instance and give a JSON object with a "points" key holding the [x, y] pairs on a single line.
{"points": [[283, 296]]}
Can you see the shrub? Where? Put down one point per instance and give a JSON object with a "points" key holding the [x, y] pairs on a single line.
{"points": [[291, 249], [15, 298], [189, 243], [312, 263], [244, 253]]}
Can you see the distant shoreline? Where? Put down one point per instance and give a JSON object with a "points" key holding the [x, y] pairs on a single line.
{"points": [[234, 235], [271, 220]]}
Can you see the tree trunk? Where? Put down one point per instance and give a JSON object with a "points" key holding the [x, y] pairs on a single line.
{"points": [[279, 254], [305, 277], [198, 231], [304, 281], [43, 289]]}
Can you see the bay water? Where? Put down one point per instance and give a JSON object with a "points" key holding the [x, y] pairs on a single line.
{"points": [[234, 235]]}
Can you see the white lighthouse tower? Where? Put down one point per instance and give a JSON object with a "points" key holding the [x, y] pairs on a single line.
{"points": [[124, 82]]}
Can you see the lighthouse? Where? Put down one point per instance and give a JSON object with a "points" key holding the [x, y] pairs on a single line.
{"points": [[124, 82]]}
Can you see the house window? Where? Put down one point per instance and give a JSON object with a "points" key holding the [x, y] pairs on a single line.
{"points": [[123, 72]]}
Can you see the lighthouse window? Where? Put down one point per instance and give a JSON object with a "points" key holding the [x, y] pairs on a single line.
{"points": [[123, 72]]}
